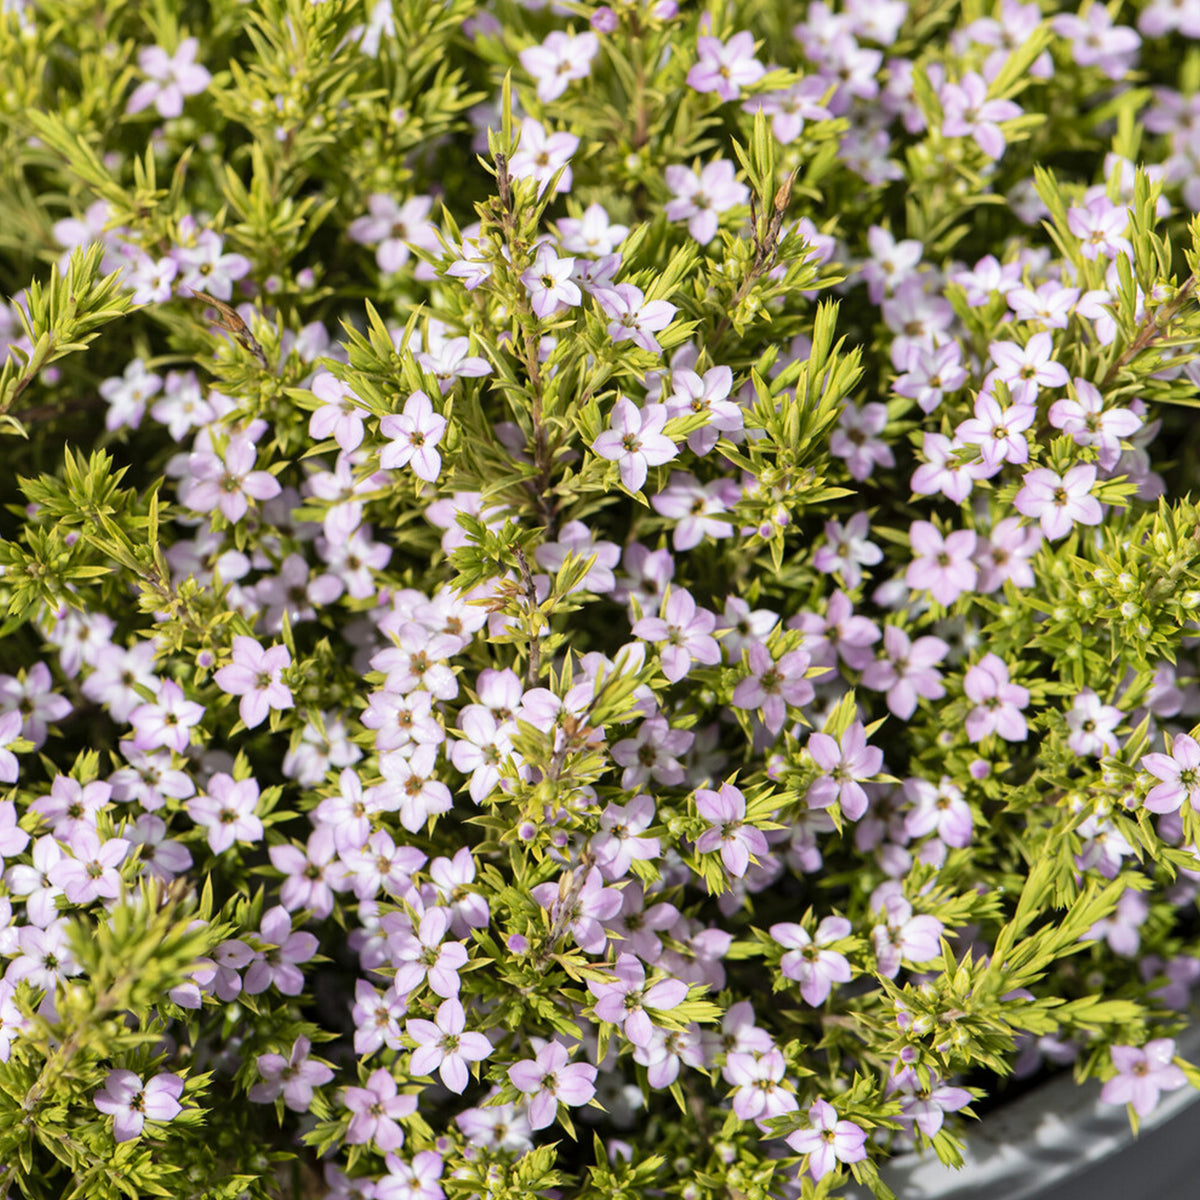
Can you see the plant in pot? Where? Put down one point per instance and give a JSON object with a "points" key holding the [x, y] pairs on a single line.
{"points": [[600, 599]]}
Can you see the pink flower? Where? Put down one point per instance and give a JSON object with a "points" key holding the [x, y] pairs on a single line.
{"points": [[205, 267], [634, 318], [376, 1018], [418, 1180], [558, 60], [618, 843], [131, 1104], [593, 233], [1123, 929], [848, 549], [10, 731], [903, 937], [1162, 17], [997, 431], [1027, 368], [737, 840], [828, 1141], [1050, 304], [448, 359], [1142, 1075], [926, 1105], [13, 839], [224, 483], [625, 1001], [340, 415], [581, 912], [167, 720], [1085, 418], [443, 1046], [1179, 772], [421, 955], [726, 67], [454, 879], [92, 874], [394, 229], [653, 754], [941, 809], [1097, 42], [907, 670], [967, 112], [1004, 555], [700, 199], [855, 440], [576, 538], [376, 1109], [772, 686], [414, 434], [410, 787], [312, 875], [227, 812], [687, 632], [836, 633], [33, 697], [1091, 723], [256, 675], [72, 806], [1058, 501], [285, 949], [551, 1079], [757, 1078], [540, 155], [998, 702], [708, 394], [842, 767], [31, 881], [12, 1019], [930, 373], [548, 282], [943, 565], [891, 264], [128, 393], [815, 969], [942, 471], [293, 1077], [789, 109], [151, 281], [635, 441], [172, 77]]}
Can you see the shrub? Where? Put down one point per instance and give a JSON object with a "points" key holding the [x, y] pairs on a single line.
{"points": [[600, 600]]}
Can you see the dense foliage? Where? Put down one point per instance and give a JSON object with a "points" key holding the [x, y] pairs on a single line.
{"points": [[600, 600]]}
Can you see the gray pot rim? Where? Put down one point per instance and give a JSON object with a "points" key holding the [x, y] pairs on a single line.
{"points": [[1025, 1148]]}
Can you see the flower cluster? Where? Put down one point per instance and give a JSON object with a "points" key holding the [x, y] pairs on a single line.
{"points": [[628, 567]]}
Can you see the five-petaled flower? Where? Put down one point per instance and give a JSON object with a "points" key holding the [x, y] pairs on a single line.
{"points": [[293, 1078], [828, 1141], [376, 1108], [131, 1103], [172, 77], [444, 1045], [1178, 772], [728, 831], [1142, 1074], [1058, 501], [412, 435], [806, 960], [255, 675], [625, 1000], [550, 1079], [635, 441]]}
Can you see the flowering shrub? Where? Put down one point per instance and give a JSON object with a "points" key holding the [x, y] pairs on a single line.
{"points": [[610, 608]]}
